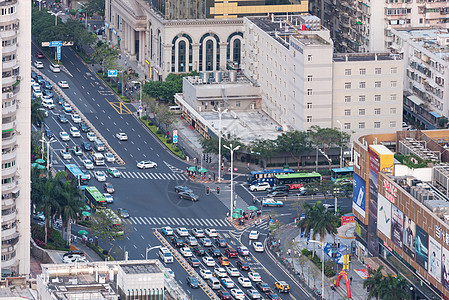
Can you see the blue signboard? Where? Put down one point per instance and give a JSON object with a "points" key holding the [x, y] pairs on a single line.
{"points": [[58, 53], [112, 73], [175, 136], [55, 44]]}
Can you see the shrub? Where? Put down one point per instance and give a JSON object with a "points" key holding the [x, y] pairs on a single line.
{"points": [[158, 131], [168, 141], [150, 123], [72, 12], [144, 118]]}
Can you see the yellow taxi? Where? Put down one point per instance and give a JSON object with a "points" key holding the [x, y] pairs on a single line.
{"points": [[282, 286]]}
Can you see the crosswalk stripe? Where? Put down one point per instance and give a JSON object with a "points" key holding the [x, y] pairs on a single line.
{"points": [[132, 175], [143, 221], [188, 222], [221, 222], [160, 221], [170, 221], [168, 175], [123, 175], [131, 221], [173, 176], [140, 175], [144, 175], [208, 221], [162, 176], [183, 176], [165, 220], [156, 175], [176, 221], [215, 222], [150, 220], [137, 220]]}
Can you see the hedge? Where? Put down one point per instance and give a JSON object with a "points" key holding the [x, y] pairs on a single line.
{"points": [[317, 261]]}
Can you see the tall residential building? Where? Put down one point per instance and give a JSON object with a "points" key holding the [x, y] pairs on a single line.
{"points": [[15, 35]]}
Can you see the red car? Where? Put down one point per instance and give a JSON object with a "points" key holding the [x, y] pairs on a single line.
{"points": [[40, 55], [231, 252], [108, 187], [224, 295]]}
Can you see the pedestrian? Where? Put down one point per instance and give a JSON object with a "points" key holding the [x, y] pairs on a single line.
{"points": [[288, 251], [227, 214], [350, 280], [214, 176]]}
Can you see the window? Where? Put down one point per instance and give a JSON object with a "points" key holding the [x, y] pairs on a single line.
{"points": [[392, 124], [393, 97], [309, 119], [393, 110], [377, 111], [362, 71], [309, 92], [362, 85], [347, 126], [377, 84], [378, 71], [394, 83], [309, 105], [394, 70], [309, 57], [309, 78], [362, 98], [377, 97], [347, 112], [347, 85], [347, 71], [347, 98], [376, 124], [361, 125], [361, 112]]}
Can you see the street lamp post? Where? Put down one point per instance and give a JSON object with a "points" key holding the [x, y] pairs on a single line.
{"points": [[148, 249], [232, 173], [140, 99], [322, 265], [40, 1], [219, 139], [341, 144], [56, 14], [48, 142]]}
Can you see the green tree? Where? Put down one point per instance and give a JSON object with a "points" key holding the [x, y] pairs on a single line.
{"points": [[165, 90], [328, 188], [442, 122], [71, 204], [294, 143], [393, 288], [264, 149], [166, 117], [103, 227], [374, 282], [95, 6], [47, 191], [37, 114]]}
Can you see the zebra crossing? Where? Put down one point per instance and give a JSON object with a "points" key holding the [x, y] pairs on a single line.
{"points": [[185, 222], [143, 175]]}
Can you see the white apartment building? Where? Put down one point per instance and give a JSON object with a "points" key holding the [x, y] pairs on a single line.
{"points": [[303, 84], [15, 50]]}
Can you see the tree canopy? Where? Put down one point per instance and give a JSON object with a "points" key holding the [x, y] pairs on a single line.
{"points": [[166, 90]]}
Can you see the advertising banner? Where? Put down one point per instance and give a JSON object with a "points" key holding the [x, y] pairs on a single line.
{"points": [[397, 226], [445, 268], [422, 247], [374, 167], [434, 259], [384, 216], [359, 194], [409, 236]]}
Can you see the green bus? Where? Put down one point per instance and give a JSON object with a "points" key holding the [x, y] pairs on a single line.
{"points": [[296, 180], [115, 221], [94, 197]]}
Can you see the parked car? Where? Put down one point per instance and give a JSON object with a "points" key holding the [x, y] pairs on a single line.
{"points": [[272, 202], [261, 186], [188, 196]]}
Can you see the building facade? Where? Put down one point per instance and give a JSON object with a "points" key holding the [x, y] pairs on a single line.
{"points": [[15, 50]]}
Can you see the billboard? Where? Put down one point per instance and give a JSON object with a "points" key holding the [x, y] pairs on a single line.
{"points": [[397, 226], [434, 259], [422, 247], [384, 216], [359, 194], [374, 167], [409, 236], [445, 268]]}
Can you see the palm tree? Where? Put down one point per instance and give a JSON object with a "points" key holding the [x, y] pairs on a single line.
{"points": [[374, 282], [72, 205], [47, 201], [393, 288]]}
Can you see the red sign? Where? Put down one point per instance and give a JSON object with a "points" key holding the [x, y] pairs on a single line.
{"points": [[347, 219], [391, 192]]}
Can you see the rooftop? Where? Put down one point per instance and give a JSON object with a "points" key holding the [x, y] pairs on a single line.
{"points": [[140, 268], [373, 56]]}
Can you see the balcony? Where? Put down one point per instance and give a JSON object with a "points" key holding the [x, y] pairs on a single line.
{"points": [[10, 141], [9, 233], [10, 110], [10, 48], [9, 64], [9, 263], [9, 218], [7, 81], [9, 187], [10, 126], [9, 171], [8, 203]]}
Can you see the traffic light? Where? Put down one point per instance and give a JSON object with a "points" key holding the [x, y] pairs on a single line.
{"points": [[77, 148], [207, 190], [66, 148], [218, 190]]}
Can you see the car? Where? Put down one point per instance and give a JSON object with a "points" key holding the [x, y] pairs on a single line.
{"points": [[177, 242], [243, 250], [233, 272], [83, 127], [38, 123], [62, 119], [191, 241], [74, 132], [273, 296], [215, 252], [260, 186], [61, 101], [91, 136], [208, 261], [40, 55], [253, 235], [88, 164], [205, 273], [258, 247], [63, 84], [211, 232], [284, 188], [188, 196], [72, 252], [181, 188], [146, 164], [108, 197], [186, 252], [40, 79], [64, 136], [227, 282], [263, 287], [167, 230], [206, 242], [282, 286], [66, 155], [272, 202], [220, 272], [231, 252], [86, 146], [121, 136], [73, 258], [100, 176], [77, 150], [223, 260], [194, 262], [253, 294], [182, 231], [108, 187], [254, 276], [38, 64], [170, 273], [224, 295], [243, 265], [123, 213], [278, 194], [47, 94], [33, 75], [76, 118], [220, 242], [37, 93], [47, 85], [66, 107], [245, 282], [192, 282], [109, 157], [49, 133], [198, 232], [237, 294], [199, 251]]}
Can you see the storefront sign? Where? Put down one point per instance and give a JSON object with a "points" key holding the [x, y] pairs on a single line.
{"points": [[347, 219], [390, 191], [356, 159]]}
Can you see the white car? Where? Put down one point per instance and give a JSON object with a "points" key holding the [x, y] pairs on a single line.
{"points": [[109, 157], [220, 272], [205, 273], [233, 272], [38, 64], [121, 136], [227, 282], [73, 258], [261, 186], [170, 273], [182, 231], [108, 197], [91, 136], [206, 242], [145, 164], [211, 232], [100, 176], [63, 84], [258, 247], [242, 250], [198, 232], [76, 118], [88, 164], [192, 241], [186, 252], [253, 235], [74, 132], [64, 136], [245, 282], [66, 155], [167, 230], [208, 261], [254, 276], [237, 294]]}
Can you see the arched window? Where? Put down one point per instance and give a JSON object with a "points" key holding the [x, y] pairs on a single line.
{"points": [[182, 56], [209, 55], [236, 50], [151, 43], [209, 46]]}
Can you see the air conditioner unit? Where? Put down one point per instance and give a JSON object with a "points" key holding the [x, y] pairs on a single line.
{"points": [[199, 108], [10, 95], [18, 77]]}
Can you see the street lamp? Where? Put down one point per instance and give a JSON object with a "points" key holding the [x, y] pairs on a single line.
{"points": [[85, 12], [341, 144], [140, 100], [219, 139], [232, 173], [40, 1], [148, 249], [48, 142], [56, 14], [322, 265]]}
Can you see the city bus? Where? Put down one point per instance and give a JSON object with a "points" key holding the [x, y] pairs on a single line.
{"points": [[267, 175], [115, 221], [341, 174], [75, 173], [296, 180], [94, 197]]}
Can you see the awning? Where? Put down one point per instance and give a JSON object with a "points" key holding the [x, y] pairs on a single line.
{"points": [[359, 23], [435, 114], [415, 99]]}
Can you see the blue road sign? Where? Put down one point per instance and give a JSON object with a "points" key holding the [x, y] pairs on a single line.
{"points": [[112, 73], [55, 44], [58, 53], [175, 136]]}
